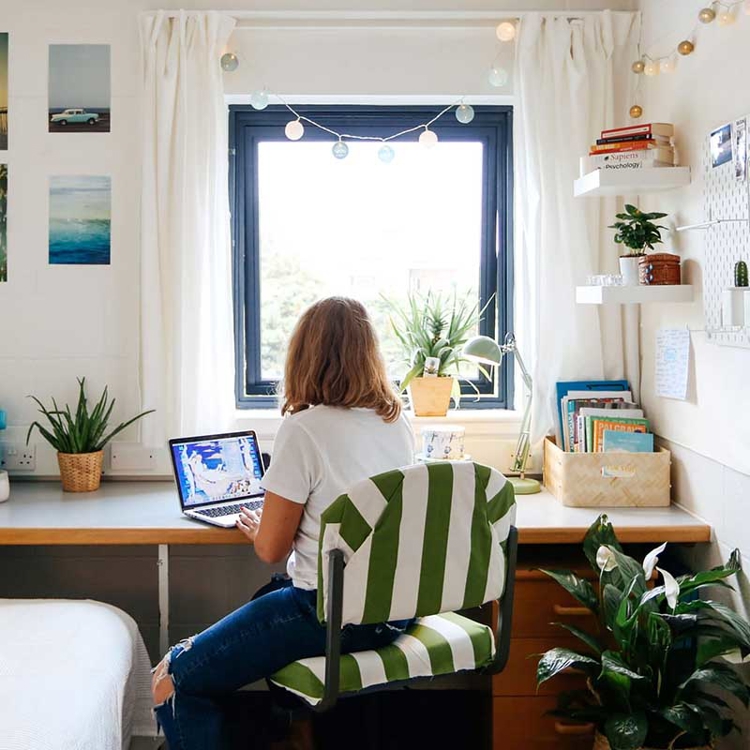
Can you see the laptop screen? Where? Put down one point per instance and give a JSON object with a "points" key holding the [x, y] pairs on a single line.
{"points": [[217, 468]]}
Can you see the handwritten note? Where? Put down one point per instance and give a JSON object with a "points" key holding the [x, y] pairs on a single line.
{"points": [[672, 360]]}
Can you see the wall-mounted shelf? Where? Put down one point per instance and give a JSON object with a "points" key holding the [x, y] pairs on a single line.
{"points": [[607, 182], [627, 295]]}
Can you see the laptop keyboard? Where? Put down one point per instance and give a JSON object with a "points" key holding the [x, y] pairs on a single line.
{"points": [[228, 510]]}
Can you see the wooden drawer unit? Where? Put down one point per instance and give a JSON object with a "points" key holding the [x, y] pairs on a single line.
{"points": [[522, 724]]}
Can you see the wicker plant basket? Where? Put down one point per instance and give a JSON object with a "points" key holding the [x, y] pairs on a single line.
{"points": [[602, 743], [659, 269], [430, 397], [80, 472]]}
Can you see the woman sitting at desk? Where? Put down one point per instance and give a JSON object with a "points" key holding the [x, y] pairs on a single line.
{"points": [[343, 424]]}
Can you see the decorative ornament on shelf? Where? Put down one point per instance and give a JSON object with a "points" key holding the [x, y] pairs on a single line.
{"points": [[229, 62], [386, 154], [464, 113], [636, 111], [340, 150], [259, 99], [294, 129], [685, 47], [498, 77], [428, 138], [707, 15], [638, 67], [506, 31]]}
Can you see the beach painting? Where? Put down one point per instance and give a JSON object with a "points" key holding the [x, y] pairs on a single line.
{"points": [[79, 88], [3, 91], [79, 220], [3, 222]]}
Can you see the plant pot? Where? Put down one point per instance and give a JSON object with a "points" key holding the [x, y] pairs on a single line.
{"points": [[430, 397], [80, 472], [630, 269], [602, 743]]}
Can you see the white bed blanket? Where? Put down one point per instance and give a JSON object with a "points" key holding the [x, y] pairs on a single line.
{"points": [[74, 675]]}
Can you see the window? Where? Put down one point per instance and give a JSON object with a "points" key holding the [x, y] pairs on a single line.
{"points": [[307, 225]]}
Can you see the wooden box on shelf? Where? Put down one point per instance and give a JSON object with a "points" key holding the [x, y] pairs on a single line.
{"points": [[607, 480]]}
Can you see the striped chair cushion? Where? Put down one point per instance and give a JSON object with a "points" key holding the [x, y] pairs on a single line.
{"points": [[433, 645], [418, 541]]}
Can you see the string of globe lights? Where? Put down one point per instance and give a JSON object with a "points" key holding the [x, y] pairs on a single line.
{"points": [[721, 11], [294, 130]]}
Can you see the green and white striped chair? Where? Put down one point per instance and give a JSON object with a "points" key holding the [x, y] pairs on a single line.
{"points": [[422, 541]]}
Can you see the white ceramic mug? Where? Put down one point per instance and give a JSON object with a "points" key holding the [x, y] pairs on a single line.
{"points": [[446, 443], [4, 486]]}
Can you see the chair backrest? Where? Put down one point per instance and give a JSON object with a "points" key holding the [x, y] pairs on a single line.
{"points": [[417, 541]]}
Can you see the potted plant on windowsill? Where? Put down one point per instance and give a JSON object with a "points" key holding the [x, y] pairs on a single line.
{"points": [[432, 330], [636, 231], [79, 437], [648, 684]]}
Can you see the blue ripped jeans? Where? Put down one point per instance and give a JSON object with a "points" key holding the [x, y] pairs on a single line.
{"points": [[247, 645]]}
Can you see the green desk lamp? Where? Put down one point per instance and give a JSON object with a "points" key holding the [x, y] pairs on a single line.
{"points": [[487, 351]]}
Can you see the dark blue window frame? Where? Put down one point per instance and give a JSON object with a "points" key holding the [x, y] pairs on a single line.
{"points": [[492, 126]]}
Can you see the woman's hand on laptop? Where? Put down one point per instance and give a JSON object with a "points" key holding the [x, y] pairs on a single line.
{"points": [[249, 522]]}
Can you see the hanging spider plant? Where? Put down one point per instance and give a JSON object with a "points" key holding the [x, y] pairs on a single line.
{"points": [[437, 325]]}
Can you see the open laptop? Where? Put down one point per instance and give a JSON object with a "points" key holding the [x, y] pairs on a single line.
{"points": [[217, 474]]}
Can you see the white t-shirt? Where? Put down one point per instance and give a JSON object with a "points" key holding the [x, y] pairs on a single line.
{"points": [[319, 454]]}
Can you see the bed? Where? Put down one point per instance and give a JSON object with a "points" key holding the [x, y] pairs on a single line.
{"points": [[74, 675]]}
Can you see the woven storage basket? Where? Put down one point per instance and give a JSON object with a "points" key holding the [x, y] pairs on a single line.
{"points": [[659, 269], [602, 743], [80, 472], [607, 480]]}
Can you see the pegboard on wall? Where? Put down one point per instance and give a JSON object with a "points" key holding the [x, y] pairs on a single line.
{"points": [[725, 197]]}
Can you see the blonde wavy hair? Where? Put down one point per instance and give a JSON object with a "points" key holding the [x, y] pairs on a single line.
{"points": [[334, 359]]}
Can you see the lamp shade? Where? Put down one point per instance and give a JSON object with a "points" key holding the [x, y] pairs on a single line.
{"points": [[484, 350]]}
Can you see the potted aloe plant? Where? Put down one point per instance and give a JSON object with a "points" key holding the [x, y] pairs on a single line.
{"points": [[432, 329], [79, 437], [659, 668], [635, 230]]}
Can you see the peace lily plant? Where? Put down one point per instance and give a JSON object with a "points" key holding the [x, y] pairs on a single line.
{"points": [[659, 668]]}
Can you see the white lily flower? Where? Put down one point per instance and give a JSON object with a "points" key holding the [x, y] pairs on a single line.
{"points": [[671, 588], [605, 559], [649, 562]]}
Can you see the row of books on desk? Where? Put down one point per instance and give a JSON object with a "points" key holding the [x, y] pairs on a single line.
{"points": [[601, 416]]}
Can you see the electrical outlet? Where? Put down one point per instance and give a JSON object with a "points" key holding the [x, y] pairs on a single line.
{"points": [[17, 457]]}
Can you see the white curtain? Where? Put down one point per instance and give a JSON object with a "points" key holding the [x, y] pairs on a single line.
{"points": [[187, 361], [572, 80]]}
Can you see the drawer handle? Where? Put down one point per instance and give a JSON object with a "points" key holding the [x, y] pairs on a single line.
{"points": [[559, 609], [573, 729]]}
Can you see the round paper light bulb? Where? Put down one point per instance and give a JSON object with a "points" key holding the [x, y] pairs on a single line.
{"points": [[638, 66], [498, 77], [506, 31], [229, 62], [386, 154], [294, 130], [706, 15], [725, 18], [464, 113], [667, 65], [685, 47], [636, 111], [652, 68], [340, 150], [259, 99], [428, 138]]}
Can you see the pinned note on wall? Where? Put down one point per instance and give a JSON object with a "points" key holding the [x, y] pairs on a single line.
{"points": [[672, 361]]}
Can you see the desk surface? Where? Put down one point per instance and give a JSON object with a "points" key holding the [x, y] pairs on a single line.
{"points": [[149, 513]]}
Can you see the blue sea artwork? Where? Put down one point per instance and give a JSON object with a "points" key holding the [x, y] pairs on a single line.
{"points": [[79, 220]]}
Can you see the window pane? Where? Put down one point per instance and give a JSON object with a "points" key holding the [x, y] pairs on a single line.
{"points": [[361, 228]]}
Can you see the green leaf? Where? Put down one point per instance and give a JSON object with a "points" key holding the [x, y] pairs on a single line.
{"points": [[712, 648], [581, 590], [613, 662], [601, 532], [557, 660], [719, 676], [593, 643], [715, 575], [684, 717], [626, 731]]}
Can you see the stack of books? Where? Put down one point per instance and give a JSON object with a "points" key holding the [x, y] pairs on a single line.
{"points": [[603, 419], [634, 147]]}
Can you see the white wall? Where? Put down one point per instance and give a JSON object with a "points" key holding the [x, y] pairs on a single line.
{"points": [[59, 322]]}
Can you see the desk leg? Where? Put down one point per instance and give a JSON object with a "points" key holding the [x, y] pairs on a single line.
{"points": [[163, 563]]}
